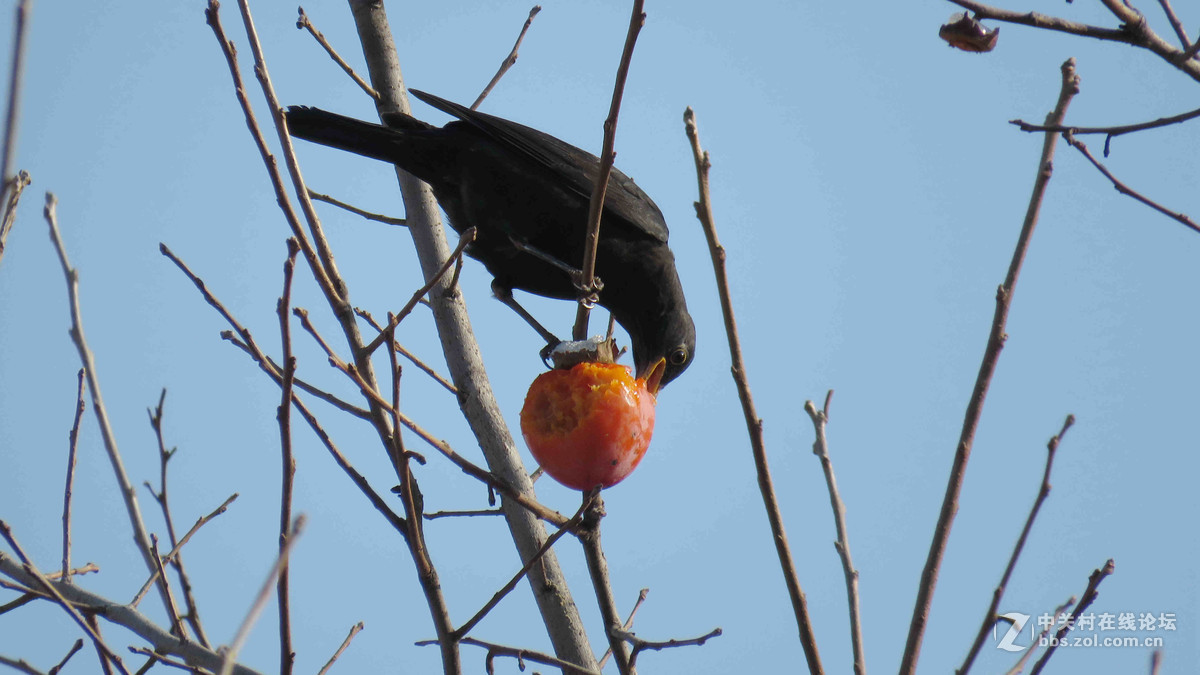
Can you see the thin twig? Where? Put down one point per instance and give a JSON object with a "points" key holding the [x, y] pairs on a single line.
{"points": [[45, 584], [1110, 131], [20, 665], [72, 445], [593, 552], [640, 645], [462, 514], [987, 367], [176, 559], [316, 266], [106, 664], [61, 664], [20, 22], [587, 296], [1176, 24], [128, 493], [509, 61], [1125, 189], [337, 297], [357, 211], [820, 418], [437, 377], [989, 617], [377, 501], [1155, 661], [464, 240], [754, 425], [628, 625], [1085, 601], [173, 554], [471, 469], [418, 547], [287, 657], [462, 630], [260, 600], [354, 630], [521, 655], [426, 368], [303, 23], [13, 188], [159, 658], [1191, 52], [177, 627], [248, 345]]}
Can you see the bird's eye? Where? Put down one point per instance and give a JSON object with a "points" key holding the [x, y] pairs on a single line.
{"points": [[678, 356]]}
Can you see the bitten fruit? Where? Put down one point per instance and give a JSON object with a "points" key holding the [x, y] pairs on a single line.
{"points": [[588, 425]]}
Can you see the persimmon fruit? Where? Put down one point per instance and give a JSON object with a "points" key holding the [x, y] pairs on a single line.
{"points": [[590, 424]]}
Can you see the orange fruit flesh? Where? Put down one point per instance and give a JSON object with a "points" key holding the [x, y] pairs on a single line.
{"points": [[589, 425]]}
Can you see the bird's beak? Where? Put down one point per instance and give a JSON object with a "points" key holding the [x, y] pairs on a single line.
{"points": [[654, 376]]}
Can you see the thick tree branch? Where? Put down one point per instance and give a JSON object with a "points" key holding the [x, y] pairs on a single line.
{"points": [[463, 358]]}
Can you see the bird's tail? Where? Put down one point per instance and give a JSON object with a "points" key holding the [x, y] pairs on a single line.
{"points": [[391, 143]]}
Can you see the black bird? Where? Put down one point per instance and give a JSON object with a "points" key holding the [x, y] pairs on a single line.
{"points": [[527, 194]]}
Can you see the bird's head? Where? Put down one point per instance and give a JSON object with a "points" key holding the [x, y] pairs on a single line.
{"points": [[663, 349]]}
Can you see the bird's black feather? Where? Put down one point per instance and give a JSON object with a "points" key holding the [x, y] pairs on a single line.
{"points": [[522, 188]]}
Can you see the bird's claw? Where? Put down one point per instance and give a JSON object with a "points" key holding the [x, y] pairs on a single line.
{"points": [[588, 295], [544, 352]]}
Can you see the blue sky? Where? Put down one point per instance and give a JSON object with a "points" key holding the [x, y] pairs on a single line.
{"points": [[868, 189]]}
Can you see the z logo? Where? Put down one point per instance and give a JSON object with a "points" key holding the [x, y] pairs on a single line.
{"points": [[1016, 622]]}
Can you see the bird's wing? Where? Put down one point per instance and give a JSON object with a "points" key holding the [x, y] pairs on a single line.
{"points": [[579, 168]]}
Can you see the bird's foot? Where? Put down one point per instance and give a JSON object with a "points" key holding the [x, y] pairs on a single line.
{"points": [[545, 352], [588, 295]]}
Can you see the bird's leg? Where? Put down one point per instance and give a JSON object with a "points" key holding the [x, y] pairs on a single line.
{"points": [[504, 294], [591, 295]]}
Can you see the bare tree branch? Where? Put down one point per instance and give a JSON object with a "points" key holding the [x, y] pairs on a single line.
{"points": [[1134, 30], [260, 600], [754, 424], [357, 211], [354, 630], [593, 552], [628, 625], [171, 556], [14, 97], [35, 579], [587, 293], [462, 630], [521, 655], [640, 645], [1111, 131], [820, 419], [509, 61], [62, 663], [175, 558], [386, 334], [991, 355], [287, 657], [989, 617], [303, 23], [1085, 601], [13, 189], [128, 492], [72, 444], [1125, 189], [1176, 24]]}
